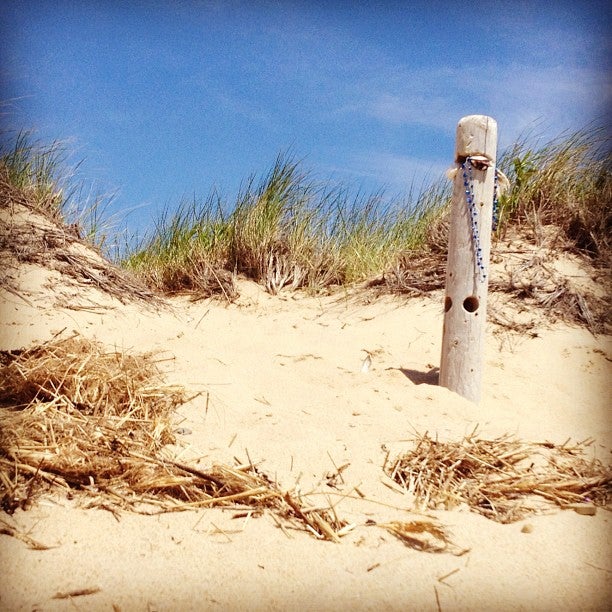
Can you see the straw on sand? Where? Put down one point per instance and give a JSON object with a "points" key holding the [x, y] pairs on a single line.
{"points": [[77, 417], [504, 479], [426, 536]]}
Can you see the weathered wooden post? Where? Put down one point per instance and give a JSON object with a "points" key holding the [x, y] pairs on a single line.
{"points": [[469, 246]]}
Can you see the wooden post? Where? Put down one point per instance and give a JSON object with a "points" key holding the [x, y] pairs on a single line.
{"points": [[469, 246]]}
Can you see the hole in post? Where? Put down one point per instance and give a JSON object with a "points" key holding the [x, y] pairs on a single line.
{"points": [[471, 303], [448, 302]]}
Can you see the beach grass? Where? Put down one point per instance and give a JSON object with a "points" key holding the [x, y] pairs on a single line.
{"points": [[566, 182], [42, 175], [289, 229], [36, 169]]}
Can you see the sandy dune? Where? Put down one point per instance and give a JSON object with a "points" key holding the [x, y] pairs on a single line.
{"points": [[282, 382]]}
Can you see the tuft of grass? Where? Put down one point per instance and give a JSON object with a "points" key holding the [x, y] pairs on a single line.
{"points": [[39, 175], [274, 230], [373, 234], [36, 170], [566, 182], [186, 251]]}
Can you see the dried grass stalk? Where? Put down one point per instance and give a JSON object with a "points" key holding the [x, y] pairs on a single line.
{"points": [[76, 593], [426, 536], [76, 416], [504, 479], [6, 529], [414, 274], [538, 284]]}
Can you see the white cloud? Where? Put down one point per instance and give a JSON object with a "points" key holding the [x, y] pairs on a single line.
{"points": [[405, 170], [517, 96], [396, 173]]}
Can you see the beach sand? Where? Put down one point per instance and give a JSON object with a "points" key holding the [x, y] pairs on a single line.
{"points": [[281, 383]]}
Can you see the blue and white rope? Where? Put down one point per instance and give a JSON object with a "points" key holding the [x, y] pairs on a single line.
{"points": [[468, 184]]}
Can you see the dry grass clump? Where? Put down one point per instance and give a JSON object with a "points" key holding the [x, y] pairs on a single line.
{"points": [[77, 417], [504, 479], [413, 275], [72, 414], [536, 282], [190, 273]]}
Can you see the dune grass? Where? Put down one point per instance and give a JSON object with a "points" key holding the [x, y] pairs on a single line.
{"points": [[37, 170], [42, 175], [286, 229], [566, 182]]}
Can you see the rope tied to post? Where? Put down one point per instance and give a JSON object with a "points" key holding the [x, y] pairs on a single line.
{"points": [[501, 183], [468, 184]]}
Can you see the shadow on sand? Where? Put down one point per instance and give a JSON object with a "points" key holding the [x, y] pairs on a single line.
{"points": [[421, 378]]}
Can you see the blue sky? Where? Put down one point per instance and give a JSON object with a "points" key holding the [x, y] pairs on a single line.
{"points": [[169, 99]]}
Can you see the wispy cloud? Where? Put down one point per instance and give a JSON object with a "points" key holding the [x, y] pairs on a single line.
{"points": [[403, 170], [409, 107], [395, 173], [562, 97]]}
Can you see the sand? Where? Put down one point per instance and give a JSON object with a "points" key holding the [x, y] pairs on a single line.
{"points": [[282, 383]]}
